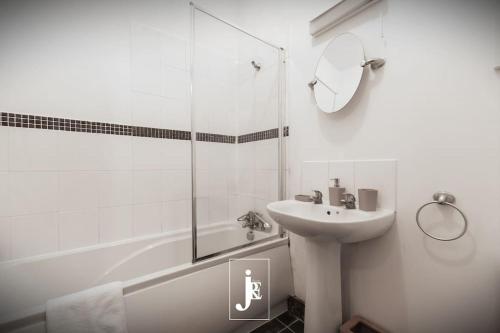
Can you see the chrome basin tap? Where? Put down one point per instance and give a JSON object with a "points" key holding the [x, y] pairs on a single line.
{"points": [[349, 201], [317, 198]]}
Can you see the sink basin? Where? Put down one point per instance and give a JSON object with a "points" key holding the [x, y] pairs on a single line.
{"points": [[325, 229], [321, 221]]}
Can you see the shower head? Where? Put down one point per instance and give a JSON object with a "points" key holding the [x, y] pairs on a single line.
{"points": [[256, 65]]}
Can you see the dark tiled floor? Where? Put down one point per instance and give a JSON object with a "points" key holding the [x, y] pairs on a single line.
{"points": [[273, 326], [297, 327], [296, 307], [287, 318], [284, 323]]}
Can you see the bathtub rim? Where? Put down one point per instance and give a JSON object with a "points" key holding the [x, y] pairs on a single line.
{"points": [[35, 315], [181, 234]]}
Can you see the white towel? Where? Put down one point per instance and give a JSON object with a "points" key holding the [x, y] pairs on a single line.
{"points": [[96, 310]]}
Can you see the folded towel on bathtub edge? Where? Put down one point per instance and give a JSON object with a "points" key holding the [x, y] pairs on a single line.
{"points": [[96, 310]]}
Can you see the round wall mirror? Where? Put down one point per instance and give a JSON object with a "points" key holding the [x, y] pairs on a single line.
{"points": [[339, 72]]}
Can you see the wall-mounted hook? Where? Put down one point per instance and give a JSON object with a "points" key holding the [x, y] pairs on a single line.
{"points": [[375, 63], [256, 65], [312, 84]]}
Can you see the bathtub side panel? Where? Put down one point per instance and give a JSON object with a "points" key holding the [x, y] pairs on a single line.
{"points": [[198, 302]]}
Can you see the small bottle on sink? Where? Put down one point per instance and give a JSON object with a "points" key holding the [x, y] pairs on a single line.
{"points": [[336, 192]]}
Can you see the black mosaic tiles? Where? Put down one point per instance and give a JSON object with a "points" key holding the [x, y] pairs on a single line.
{"points": [[208, 137], [262, 135], [286, 131], [73, 125], [258, 136]]}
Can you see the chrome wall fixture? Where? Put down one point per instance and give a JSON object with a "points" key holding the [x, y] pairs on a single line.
{"points": [[374, 64], [312, 83], [255, 65], [442, 198]]}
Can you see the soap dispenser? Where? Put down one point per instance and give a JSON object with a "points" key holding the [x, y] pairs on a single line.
{"points": [[336, 193]]}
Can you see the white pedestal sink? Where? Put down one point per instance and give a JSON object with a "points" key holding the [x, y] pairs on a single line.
{"points": [[325, 228]]}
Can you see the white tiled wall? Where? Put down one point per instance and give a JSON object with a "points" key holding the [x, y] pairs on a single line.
{"points": [[51, 201], [34, 234], [115, 223], [78, 228], [127, 64], [353, 175]]}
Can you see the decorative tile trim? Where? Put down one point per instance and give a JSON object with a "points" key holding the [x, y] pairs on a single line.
{"points": [[262, 135], [73, 125], [208, 137], [258, 136]]}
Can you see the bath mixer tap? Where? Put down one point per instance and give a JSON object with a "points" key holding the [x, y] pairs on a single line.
{"points": [[254, 221], [349, 201]]}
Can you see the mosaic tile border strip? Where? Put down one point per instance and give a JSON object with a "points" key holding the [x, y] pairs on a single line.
{"points": [[262, 135], [209, 137], [73, 125], [258, 136]]}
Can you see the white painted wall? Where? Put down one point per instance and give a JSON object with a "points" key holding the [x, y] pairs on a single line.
{"points": [[435, 107]]}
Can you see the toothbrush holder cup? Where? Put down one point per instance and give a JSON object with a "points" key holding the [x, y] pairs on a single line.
{"points": [[367, 199]]}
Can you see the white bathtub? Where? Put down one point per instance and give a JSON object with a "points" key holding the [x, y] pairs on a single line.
{"points": [[164, 292]]}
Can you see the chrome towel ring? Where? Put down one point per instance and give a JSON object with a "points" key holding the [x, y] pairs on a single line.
{"points": [[442, 198]]}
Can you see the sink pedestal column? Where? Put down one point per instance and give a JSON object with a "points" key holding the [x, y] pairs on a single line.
{"points": [[323, 313]]}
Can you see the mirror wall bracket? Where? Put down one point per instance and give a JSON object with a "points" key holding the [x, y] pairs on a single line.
{"points": [[375, 63], [256, 65]]}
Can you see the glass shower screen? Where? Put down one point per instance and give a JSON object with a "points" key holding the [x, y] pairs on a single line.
{"points": [[236, 138]]}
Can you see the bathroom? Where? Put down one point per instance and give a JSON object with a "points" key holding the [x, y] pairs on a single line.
{"points": [[156, 155]]}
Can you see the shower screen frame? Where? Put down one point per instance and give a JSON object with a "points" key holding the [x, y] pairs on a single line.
{"points": [[281, 142]]}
